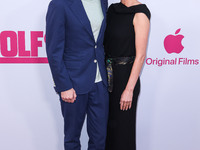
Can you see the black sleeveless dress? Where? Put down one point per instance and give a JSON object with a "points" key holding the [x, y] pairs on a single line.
{"points": [[120, 42]]}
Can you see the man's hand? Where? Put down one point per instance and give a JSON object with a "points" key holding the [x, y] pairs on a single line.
{"points": [[69, 96]]}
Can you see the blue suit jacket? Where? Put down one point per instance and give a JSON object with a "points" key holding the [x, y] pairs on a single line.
{"points": [[71, 47]]}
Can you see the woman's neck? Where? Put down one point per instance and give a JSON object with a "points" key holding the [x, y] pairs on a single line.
{"points": [[129, 3]]}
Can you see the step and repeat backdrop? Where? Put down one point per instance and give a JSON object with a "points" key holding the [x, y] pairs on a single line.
{"points": [[168, 115]]}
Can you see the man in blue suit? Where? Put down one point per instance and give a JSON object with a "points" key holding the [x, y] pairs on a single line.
{"points": [[74, 44]]}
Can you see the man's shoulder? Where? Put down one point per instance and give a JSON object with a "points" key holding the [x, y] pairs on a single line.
{"points": [[59, 3]]}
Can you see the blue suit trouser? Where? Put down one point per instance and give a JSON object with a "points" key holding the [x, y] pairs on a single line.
{"points": [[94, 104]]}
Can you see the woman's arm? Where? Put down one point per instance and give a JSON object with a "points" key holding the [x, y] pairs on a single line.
{"points": [[141, 25]]}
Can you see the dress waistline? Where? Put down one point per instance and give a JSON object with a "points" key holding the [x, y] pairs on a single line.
{"points": [[116, 61]]}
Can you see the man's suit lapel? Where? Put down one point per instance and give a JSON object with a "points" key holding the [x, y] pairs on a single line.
{"points": [[103, 8], [79, 11], [103, 25]]}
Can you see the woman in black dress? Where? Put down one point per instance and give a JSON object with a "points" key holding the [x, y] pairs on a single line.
{"points": [[126, 40]]}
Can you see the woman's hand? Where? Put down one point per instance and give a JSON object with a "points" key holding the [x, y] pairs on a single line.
{"points": [[126, 100]]}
